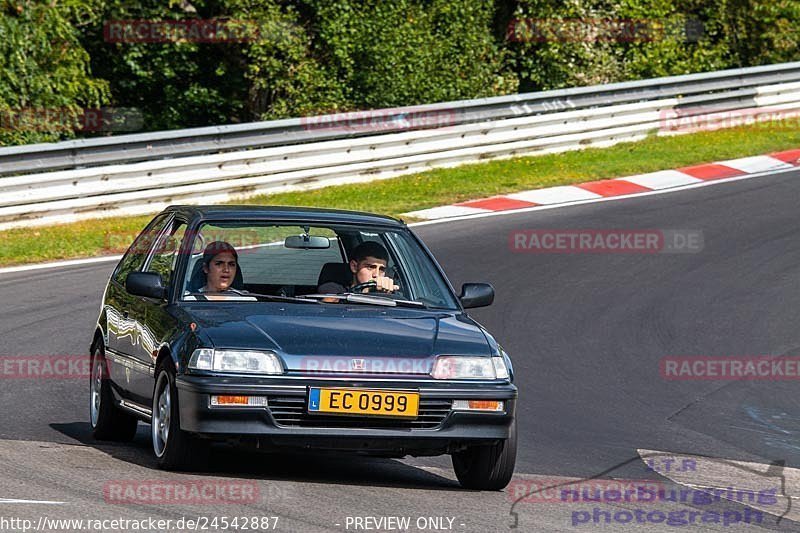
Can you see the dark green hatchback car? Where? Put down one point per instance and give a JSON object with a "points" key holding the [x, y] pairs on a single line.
{"points": [[304, 328]]}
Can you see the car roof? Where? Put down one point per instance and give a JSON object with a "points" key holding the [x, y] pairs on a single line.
{"points": [[289, 213]]}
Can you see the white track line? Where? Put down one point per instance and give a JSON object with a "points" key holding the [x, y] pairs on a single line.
{"points": [[59, 264], [663, 179], [43, 502], [758, 163], [450, 211], [554, 195]]}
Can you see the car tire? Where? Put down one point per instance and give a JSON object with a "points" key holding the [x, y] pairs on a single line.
{"points": [[108, 421], [487, 467], [174, 449]]}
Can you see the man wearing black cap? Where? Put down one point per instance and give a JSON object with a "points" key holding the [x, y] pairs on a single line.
{"points": [[368, 264]]}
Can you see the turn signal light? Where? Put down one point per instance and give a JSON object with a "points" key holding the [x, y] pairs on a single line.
{"points": [[229, 400], [477, 405], [253, 401]]}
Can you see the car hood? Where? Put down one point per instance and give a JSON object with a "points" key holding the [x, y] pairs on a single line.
{"points": [[330, 337]]}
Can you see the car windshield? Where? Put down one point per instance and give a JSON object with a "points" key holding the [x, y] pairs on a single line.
{"points": [[236, 261]]}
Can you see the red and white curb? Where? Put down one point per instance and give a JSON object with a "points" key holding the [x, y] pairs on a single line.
{"points": [[627, 186]]}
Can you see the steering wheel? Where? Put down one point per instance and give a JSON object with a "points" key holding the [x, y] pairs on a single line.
{"points": [[371, 286], [367, 286], [237, 291]]}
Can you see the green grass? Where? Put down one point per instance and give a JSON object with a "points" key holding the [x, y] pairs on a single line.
{"points": [[435, 187]]}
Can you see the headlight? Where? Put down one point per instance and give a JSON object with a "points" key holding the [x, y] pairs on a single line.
{"points": [[466, 367], [236, 361], [500, 367]]}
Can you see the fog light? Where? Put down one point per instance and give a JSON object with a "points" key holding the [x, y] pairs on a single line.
{"points": [[477, 405], [250, 401]]}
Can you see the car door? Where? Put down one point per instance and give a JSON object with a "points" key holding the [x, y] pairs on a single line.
{"points": [[121, 308], [156, 323]]}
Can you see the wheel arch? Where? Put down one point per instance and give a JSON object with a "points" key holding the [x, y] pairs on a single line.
{"points": [[97, 340], [164, 353]]}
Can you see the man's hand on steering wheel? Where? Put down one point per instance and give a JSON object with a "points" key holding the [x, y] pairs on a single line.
{"points": [[382, 284]]}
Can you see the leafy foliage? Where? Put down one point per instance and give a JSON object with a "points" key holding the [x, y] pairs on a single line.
{"points": [[44, 71], [760, 32], [327, 56], [306, 57], [411, 52], [602, 41], [177, 84], [286, 77]]}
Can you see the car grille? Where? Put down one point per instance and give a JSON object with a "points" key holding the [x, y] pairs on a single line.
{"points": [[291, 411]]}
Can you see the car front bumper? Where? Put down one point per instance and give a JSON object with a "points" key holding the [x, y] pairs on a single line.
{"points": [[286, 422]]}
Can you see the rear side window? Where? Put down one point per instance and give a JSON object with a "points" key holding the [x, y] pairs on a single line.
{"points": [[134, 258]]}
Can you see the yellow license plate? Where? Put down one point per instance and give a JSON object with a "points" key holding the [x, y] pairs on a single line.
{"points": [[363, 402]]}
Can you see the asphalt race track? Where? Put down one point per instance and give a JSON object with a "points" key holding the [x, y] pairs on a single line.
{"points": [[586, 331]]}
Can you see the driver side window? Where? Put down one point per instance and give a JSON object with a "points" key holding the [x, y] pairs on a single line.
{"points": [[134, 258], [165, 254]]}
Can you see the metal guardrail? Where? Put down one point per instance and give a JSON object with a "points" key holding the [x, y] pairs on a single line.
{"points": [[141, 173]]}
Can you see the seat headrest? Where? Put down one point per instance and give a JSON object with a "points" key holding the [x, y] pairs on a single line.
{"points": [[336, 272]]}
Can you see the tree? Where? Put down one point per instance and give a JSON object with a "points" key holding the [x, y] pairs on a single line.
{"points": [[45, 79], [761, 32], [409, 52], [176, 82], [320, 56], [559, 44]]}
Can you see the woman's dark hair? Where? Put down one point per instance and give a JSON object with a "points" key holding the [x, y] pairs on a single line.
{"points": [[217, 247]]}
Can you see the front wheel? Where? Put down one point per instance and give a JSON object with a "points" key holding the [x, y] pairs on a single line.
{"points": [[487, 467], [108, 421], [174, 449]]}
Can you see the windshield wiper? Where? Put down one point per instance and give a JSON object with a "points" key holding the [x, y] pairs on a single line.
{"points": [[258, 296], [369, 299], [289, 299]]}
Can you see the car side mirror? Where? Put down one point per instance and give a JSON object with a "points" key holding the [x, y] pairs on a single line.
{"points": [[476, 295], [147, 284]]}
